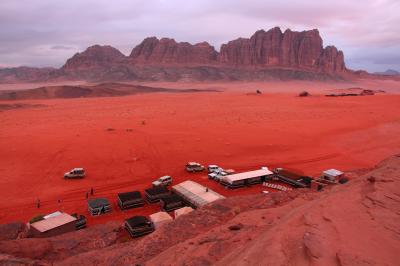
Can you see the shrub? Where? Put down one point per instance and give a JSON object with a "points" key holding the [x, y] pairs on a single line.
{"points": [[304, 94]]}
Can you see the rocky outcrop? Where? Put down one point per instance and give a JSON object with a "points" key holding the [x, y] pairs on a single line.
{"points": [[27, 74], [168, 51], [331, 60], [297, 50], [94, 57], [63, 246], [12, 231]]}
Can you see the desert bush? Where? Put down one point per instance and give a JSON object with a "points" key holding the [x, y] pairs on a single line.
{"points": [[304, 94]]}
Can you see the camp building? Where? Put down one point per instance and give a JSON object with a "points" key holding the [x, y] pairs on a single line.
{"points": [[195, 194], [53, 224]]}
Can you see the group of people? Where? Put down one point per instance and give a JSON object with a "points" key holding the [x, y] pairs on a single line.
{"points": [[38, 203]]}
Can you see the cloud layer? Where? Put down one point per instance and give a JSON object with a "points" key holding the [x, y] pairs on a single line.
{"points": [[47, 32]]}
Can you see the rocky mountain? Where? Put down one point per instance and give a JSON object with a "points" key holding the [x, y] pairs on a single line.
{"points": [[389, 72], [94, 57], [271, 54], [298, 50], [27, 74], [168, 51], [356, 223]]}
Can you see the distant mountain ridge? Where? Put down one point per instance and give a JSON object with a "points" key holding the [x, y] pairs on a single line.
{"points": [[266, 55], [389, 72]]}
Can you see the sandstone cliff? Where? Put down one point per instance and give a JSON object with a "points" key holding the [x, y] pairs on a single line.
{"points": [[271, 54], [168, 51], [94, 57], [296, 50]]}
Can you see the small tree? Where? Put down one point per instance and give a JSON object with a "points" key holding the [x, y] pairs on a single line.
{"points": [[304, 94]]}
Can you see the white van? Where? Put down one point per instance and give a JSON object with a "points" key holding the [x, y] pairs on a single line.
{"points": [[163, 181]]}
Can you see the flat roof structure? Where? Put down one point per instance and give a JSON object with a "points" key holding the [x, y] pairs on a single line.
{"points": [[98, 203], [333, 172], [291, 178], [154, 194], [173, 198], [171, 202], [131, 199], [54, 214], [247, 175], [196, 194], [156, 190], [138, 221], [53, 222], [182, 211], [98, 206], [159, 218], [139, 226], [127, 196]]}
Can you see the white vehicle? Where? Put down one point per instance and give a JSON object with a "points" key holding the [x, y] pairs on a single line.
{"points": [[194, 167], [163, 181], [75, 173], [213, 168], [212, 175], [217, 175]]}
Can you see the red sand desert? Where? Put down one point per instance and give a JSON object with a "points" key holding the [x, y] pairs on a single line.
{"points": [[233, 128]]}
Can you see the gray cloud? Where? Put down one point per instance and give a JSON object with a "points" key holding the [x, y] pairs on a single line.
{"points": [[47, 32]]}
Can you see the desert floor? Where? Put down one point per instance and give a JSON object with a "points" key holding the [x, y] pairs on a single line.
{"points": [[124, 143]]}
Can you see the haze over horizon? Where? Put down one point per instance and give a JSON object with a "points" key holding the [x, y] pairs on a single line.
{"points": [[48, 32]]}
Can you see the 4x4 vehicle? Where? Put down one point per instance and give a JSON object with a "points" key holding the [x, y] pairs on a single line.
{"points": [[75, 173], [213, 168], [163, 181], [194, 167], [220, 175]]}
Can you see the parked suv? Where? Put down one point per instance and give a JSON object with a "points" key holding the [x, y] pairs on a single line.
{"points": [[194, 167], [213, 168], [217, 175], [163, 181], [75, 173]]}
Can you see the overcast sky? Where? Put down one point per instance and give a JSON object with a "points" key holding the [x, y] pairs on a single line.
{"points": [[47, 32]]}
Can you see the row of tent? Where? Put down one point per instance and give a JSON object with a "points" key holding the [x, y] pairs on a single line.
{"points": [[134, 199]]}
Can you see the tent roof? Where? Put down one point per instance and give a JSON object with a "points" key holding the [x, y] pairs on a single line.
{"points": [[98, 203], [171, 199], [157, 190], [138, 221], [333, 172], [246, 175], [126, 196], [195, 193], [160, 217], [182, 211], [53, 222]]}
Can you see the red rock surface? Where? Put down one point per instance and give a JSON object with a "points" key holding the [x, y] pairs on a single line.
{"points": [[352, 224]]}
